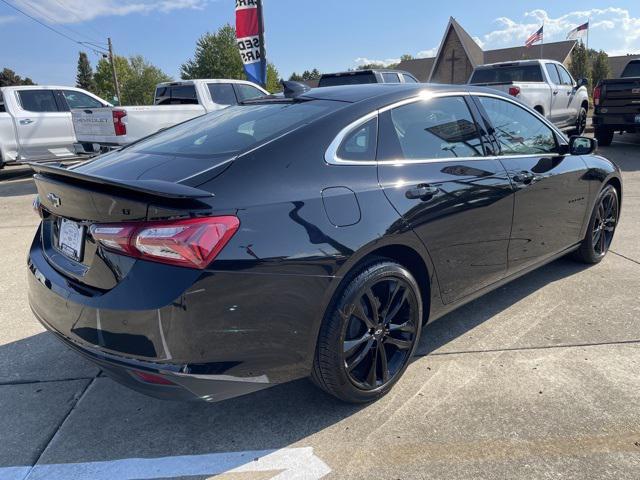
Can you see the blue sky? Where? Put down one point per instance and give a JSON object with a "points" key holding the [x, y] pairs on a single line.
{"points": [[327, 34]]}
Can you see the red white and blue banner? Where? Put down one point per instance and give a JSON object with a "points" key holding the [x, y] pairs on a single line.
{"points": [[250, 34], [578, 32], [537, 36]]}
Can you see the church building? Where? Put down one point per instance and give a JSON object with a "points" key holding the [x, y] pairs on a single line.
{"points": [[459, 54]]}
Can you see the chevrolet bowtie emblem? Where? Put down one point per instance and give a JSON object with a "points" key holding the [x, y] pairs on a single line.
{"points": [[54, 199]]}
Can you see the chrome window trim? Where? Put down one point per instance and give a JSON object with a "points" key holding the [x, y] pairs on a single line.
{"points": [[331, 154]]}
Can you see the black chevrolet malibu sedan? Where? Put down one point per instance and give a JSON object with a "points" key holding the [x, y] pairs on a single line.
{"points": [[307, 235]]}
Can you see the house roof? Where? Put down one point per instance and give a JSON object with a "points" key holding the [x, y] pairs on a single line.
{"points": [[617, 64], [475, 53], [558, 51], [418, 67]]}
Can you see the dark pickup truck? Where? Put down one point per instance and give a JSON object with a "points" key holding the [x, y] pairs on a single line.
{"points": [[617, 104]]}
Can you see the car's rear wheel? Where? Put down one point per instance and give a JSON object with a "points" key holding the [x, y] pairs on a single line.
{"points": [[369, 333], [604, 136], [602, 227]]}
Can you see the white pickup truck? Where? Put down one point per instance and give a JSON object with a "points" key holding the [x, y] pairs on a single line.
{"points": [[175, 102], [35, 122], [544, 85]]}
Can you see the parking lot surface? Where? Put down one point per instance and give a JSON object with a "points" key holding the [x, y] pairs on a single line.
{"points": [[539, 379]]}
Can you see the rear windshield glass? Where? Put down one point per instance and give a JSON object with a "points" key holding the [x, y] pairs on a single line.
{"points": [[632, 70], [232, 130], [176, 95], [522, 73], [347, 79]]}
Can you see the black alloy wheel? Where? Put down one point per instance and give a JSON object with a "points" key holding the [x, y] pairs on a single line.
{"points": [[602, 227], [370, 335]]}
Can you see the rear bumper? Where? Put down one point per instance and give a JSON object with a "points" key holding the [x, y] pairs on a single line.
{"points": [[214, 335], [624, 122]]}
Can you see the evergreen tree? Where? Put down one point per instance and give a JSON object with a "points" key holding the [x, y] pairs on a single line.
{"points": [[216, 56], [84, 77], [580, 66], [600, 67], [8, 78]]}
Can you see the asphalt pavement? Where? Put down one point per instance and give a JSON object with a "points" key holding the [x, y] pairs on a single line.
{"points": [[537, 380]]}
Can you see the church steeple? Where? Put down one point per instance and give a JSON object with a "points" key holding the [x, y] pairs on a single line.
{"points": [[457, 56]]}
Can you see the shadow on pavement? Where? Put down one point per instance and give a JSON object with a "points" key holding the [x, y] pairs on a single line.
{"points": [[17, 188], [626, 150]]}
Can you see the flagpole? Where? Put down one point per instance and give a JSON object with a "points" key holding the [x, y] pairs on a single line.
{"points": [[542, 46], [588, 28]]}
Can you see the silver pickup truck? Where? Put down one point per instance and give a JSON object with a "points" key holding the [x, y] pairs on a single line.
{"points": [[544, 85]]}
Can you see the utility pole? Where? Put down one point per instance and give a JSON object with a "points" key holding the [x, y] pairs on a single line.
{"points": [[113, 69]]}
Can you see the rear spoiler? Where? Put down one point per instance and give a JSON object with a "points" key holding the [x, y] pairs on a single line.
{"points": [[156, 188], [489, 84]]}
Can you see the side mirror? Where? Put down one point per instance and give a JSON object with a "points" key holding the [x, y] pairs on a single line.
{"points": [[582, 145], [583, 82]]}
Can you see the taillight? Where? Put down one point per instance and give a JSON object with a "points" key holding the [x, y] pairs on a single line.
{"points": [[596, 95], [151, 378], [118, 124], [187, 243], [514, 91]]}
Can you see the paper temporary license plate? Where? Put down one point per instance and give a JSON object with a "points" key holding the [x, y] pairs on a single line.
{"points": [[71, 239]]}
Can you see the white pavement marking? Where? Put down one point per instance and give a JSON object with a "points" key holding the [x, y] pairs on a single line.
{"points": [[287, 463]]}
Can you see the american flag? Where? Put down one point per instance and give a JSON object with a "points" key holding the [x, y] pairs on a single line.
{"points": [[535, 37]]}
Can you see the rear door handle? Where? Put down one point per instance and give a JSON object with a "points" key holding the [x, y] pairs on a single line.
{"points": [[421, 192], [523, 177], [26, 121]]}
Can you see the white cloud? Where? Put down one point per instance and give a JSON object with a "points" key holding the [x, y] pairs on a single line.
{"points": [[431, 52], [76, 11], [367, 61], [622, 29]]}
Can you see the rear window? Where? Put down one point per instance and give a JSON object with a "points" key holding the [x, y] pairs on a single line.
{"points": [[390, 77], [516, 73], [631, 70], [176, 95], [2, 109], [227, 132], [351, 78], [222, 93]]}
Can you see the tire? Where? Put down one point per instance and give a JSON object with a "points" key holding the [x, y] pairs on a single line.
{"points": [[358, 339], [581, 122], [604, 136], [597, 241]]}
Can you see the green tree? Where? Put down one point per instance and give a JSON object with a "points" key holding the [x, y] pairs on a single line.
{"points": [[8, 78], [140, 87], [137, 78], [104, 78], [370, 66], [84, 77], [216, 56], [296, 77], [311, 75], [273, 79], [580, 66], [406, 57], [600, 67]]}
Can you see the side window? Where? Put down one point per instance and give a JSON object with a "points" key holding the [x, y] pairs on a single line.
{"points": [[408, 78], [38, 100], [360, 144], [246, 92], [80, 100], [222, 93], [176, 95], [437, 128], [564, 76], [2, 108], [390, 77], [553, 73], [518, 131]]}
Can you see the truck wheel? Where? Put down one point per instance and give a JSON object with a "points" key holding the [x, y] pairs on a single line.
{"points": [[581, 121], [604, 136]]}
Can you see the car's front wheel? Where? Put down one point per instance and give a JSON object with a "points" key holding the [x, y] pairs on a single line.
{"points": [[602, 226], [581, 121], [369, 333]]}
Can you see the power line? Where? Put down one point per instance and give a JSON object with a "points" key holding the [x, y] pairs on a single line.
{"points": [[77, 17], [49, 27]]}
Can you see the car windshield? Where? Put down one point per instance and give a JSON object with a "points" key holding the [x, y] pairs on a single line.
{"points": [[232, 130], [516, 73], [355, 78], [632, 70]]}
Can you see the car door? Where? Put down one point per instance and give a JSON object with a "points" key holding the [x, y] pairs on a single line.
{"points": [[571, 101], [433, 168], [43, 125], [551, 190], [556, 112]]}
